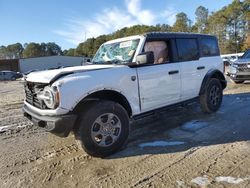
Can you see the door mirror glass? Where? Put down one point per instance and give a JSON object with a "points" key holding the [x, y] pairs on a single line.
{"points": [[145, 58]]}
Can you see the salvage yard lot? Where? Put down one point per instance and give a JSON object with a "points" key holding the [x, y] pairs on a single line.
{"points": [[179, 148]]}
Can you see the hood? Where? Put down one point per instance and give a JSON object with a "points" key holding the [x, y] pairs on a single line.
{"points": [[242, 61], [49, 76]]}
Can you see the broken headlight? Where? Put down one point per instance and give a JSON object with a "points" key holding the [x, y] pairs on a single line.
{"points": [[50, 96]]}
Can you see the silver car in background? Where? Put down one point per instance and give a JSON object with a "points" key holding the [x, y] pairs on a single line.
{"points": [[239, 70], [9, 75]]}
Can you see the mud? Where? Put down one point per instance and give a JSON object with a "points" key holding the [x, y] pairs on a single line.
{"points": [[179, 148]]}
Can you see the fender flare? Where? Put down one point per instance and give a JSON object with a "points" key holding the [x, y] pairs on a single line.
{"points": [[214, 73]]}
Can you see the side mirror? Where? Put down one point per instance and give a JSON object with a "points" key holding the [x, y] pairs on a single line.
{"points": [[145, 58]]}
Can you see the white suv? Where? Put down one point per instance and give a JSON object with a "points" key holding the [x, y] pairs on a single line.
{"points": [[128, 78]]}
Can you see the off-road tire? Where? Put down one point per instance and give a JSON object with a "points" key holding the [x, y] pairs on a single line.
{"points": [[86, 123], [211, 99]]}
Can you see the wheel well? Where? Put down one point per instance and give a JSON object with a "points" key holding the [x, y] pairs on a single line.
{"points": [[220, 77], [213, 74], [104, 95]]}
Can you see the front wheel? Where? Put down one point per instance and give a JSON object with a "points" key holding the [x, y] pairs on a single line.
{"points": [[103, 128], [211, 99]]}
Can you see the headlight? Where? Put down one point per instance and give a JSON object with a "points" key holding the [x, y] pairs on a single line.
{"points": [[50, 97]]}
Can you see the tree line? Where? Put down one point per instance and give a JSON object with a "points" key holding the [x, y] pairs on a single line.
{"points": [[231, 25]]}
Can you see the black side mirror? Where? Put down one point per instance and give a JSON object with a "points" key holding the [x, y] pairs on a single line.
{"points": [[145, 58]]}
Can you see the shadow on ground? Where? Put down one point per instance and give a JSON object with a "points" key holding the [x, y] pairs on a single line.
{"points": [[183, 128]]}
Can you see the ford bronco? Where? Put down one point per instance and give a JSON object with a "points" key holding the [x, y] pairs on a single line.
{"points": [[128, 78]]}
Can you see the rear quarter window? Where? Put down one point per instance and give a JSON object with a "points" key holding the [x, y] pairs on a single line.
{"points": [[209, 47], [187, 49]]}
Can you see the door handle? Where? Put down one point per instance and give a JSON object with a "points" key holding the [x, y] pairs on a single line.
{"points": [[201, 67], [173, 72], [133, 78]]}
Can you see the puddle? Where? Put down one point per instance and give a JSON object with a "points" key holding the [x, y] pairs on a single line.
{"points": [[194, 125], [161, 144]]}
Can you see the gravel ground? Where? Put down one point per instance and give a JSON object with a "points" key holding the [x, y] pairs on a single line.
{"points": [[179, 148]]}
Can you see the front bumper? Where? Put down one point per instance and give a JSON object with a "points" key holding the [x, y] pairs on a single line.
{"points": [[240, 76], [58, 125]]}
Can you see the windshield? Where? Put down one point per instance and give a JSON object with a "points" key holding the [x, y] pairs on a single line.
{"points": [[116, 53]]}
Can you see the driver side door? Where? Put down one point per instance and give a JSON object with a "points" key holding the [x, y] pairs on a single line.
{"points": [[159, 84]]}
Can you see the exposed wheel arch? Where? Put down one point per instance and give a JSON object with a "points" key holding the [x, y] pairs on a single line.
{"points": [[213, 74], [110, 95]]}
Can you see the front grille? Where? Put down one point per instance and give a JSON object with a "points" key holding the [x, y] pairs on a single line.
{"points": [[31, 90], [243, 67]]}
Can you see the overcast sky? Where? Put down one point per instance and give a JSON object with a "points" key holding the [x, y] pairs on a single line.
{"points": [[69, 22]]}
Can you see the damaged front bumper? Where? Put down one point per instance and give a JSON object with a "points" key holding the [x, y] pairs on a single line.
{"points": [[58, 125]]}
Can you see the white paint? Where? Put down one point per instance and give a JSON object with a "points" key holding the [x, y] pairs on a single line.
{"points": [[22, 126], [201, 181], [229, 179], [194, 125], [4, 128], [180, 183], [161, 144], [157, 87]]}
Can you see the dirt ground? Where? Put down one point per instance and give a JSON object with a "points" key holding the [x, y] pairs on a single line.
{"points": [[179, 148]]}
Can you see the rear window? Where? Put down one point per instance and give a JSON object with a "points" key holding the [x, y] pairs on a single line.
{"points": [[187, 49], [209, 47]]}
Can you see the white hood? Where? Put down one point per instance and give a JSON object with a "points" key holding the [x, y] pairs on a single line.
{"points": [[48, 75]]}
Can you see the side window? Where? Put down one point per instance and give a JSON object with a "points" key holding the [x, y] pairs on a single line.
{"points": [[209, 47], [187, 49], [160, 49]]}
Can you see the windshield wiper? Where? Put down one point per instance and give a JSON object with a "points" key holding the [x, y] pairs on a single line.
{"points": [[110, 62]]}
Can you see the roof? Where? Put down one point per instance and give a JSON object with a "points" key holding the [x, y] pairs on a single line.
{"points": [[54, 56], [160, 35]]}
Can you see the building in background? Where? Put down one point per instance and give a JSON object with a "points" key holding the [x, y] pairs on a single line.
{"points": [[49, 62], [9, 64], [41, 63]]}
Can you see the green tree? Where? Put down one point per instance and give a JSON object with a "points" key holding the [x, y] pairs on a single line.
{"points": [[12, 51], [69, 52], [2, 52], [182, 23], [33, 50], [201, 19], [86, 48], [52, 49], [246, 44]]}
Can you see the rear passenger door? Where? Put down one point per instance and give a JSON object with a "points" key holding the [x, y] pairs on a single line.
{"points": [[188, 57]]}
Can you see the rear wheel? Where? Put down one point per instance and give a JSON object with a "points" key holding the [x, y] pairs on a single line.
{"points": [[103, 128], [211, 99]]}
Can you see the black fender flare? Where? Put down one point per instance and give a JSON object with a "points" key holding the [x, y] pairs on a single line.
{"points": [[214, 73]]}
